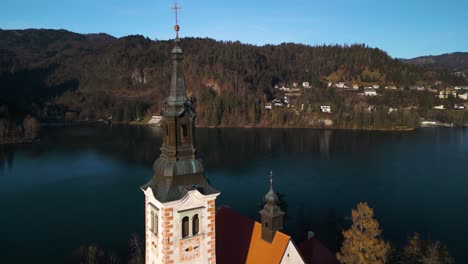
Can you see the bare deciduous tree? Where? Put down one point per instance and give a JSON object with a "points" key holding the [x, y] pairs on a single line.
{"points": [[137, 250]]}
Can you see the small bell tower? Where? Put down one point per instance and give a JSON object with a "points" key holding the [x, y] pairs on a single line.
{"points": [[271, 214]]}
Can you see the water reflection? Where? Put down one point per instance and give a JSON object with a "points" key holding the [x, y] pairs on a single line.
{"points": [[322, 174], [218, 148], [232, 148], [325, 144], [6, 158], [127, 144]]}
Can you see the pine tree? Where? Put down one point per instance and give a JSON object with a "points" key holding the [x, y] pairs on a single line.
{"points": [[436, 254], [413, 251], [432, 255], [363, 243], [419, 251]]}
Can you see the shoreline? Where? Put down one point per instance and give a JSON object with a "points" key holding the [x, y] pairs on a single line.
{"points": [[15, 141], [313, 128], [136, 123]]}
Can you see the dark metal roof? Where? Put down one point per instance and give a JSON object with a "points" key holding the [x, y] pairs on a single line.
{"points": [[167, 189], [176, 111], [177, 93], [169, 168]]}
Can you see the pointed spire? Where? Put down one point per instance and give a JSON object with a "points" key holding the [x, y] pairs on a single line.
{"points": [[271, 198], [177, 95]]}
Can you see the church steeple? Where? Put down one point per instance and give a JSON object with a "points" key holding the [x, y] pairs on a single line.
{"points": [[179, 202], [178, 170], [177, 95], [271, 214]]}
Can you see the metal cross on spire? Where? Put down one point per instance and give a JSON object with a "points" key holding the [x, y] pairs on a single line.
{"points": [[176, 9]]}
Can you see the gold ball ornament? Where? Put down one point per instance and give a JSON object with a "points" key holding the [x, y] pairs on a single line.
{"points": [[176, 28]]}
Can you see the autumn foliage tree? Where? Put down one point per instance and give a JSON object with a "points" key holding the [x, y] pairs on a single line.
{"points": [[363, 243]]}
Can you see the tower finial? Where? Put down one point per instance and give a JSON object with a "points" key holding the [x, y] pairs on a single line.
{"points": [[176, 9], [271, 197], [271, 180]]}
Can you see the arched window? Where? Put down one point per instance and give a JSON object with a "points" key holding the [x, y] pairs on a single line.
{"points": [[151, 224], [266, 224], [185, 227], [195, 225], [167, 130], [155, 224], [183, 133]]}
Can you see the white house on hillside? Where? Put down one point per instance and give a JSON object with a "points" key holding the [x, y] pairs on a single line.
{"points": [[325, 109], [370, 92], [340, 85], [463, 96]]}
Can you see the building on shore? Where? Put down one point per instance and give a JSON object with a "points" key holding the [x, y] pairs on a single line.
{"points": [[155, 121]]}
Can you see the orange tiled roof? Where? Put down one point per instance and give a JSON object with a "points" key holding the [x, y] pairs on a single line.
{"points": [[238, 240], [264, 252]]}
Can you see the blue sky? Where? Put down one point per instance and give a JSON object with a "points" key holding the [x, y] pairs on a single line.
{"points": [[402, 28]]}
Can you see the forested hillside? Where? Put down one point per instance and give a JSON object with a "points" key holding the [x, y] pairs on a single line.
{"points": [[59, 75]]}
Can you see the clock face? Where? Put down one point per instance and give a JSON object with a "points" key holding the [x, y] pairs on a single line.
{"points": [[189, 248]]}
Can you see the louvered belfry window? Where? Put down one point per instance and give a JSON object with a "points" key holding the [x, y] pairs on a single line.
{"points": [[185, 227], [195, 225]]}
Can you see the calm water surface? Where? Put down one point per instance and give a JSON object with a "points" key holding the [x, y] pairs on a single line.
{"points": [[80, 185]]}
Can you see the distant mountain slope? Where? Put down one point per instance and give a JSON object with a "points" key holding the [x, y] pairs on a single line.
{"points": [[457, 61], [34, 47]]}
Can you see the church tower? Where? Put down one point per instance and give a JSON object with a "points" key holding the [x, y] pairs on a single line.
{"points": [[179, 202], [271, 214]]}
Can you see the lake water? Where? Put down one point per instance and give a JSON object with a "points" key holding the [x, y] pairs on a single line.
{"points": [[80, 185]]}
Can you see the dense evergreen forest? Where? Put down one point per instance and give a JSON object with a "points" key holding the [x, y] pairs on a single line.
{"points": [[57, 75]]}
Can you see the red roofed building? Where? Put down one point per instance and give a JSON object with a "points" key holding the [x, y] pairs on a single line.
{"points": [[313, 251], [240, 239]]}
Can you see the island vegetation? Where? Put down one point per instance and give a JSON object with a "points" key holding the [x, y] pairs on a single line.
{"points": [[364, 244], [13, 133]]}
